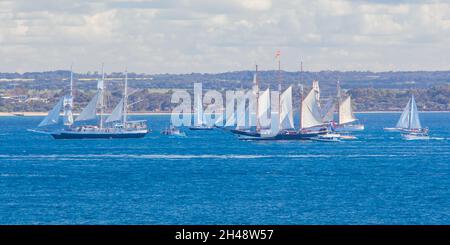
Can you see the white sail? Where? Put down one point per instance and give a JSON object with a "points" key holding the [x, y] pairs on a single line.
{"points": [[67, 105], [310, 115], [255, 108], [199, 112], [90, 111], [117, 113], [53, 115], [315, 87], [328, 111], [264, 109], [286, 114], [403, 122], [414, 121], [346, 112]]}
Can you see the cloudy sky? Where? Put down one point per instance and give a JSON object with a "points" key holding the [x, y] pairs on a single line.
{"points": [[183, 36]]}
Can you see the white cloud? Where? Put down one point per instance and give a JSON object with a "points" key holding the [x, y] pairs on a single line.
{"points": [[161, 36]]}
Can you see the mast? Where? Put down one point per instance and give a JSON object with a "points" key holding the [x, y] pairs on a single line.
{"points": [[338, 99], [258, 124], [301, 72], [71, 82], [411, 112], [102, 102], [301, 96], [279, 87], [125, 98], [68, 102]]}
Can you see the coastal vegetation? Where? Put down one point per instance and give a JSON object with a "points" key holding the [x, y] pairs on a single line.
{"points": [[386, 91]]}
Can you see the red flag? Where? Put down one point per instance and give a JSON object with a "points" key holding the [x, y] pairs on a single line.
{"points": [[277, 54]]}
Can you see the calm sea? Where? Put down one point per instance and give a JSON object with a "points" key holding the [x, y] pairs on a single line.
{"points": [[213, 178]]}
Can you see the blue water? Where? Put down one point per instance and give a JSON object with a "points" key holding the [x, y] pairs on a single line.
{"points": [[213, 178]]}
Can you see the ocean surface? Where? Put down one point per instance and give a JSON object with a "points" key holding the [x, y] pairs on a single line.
{"points": [[213, 178]]}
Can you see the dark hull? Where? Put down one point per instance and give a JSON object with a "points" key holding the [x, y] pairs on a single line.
{"points": [[281, 136], [245, 133], [201, 128], [66, 135], [298, 136]]}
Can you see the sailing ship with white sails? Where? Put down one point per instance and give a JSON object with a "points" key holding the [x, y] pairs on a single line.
{"points": [[116, 125], [311, 124], [409, 123]]}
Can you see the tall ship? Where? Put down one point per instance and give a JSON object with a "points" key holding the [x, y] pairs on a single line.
{"points": [[116, 125], [409, 123]]}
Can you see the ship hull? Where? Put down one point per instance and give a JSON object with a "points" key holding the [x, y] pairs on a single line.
{"points": [[201, 128], [96, 135], [293, 136], [245, 133]]}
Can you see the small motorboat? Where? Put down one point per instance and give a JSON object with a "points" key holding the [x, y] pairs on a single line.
{"points": [[328, 137], [173, 131]]}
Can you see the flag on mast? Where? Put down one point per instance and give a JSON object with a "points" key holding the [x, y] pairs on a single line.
{"points": [[277, 54]]}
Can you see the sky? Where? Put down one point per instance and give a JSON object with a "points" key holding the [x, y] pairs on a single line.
{"points": [[209, 36]]}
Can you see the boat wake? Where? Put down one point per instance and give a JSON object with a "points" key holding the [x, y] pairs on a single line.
{"points": [[38, 131], [90, 157]]}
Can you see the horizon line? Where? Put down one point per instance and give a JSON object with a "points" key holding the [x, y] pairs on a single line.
{"points": [[223, 72]]}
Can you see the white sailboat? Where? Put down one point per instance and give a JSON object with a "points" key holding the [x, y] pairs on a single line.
{"points": [[311, 120], [409, 123], [346, 117]]}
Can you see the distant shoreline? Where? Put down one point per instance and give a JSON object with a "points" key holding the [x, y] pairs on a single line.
{"points": [[39, 114], [35, 114]]}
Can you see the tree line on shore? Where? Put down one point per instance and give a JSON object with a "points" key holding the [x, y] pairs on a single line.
{"points": [[371, 91], [436, 98]]}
